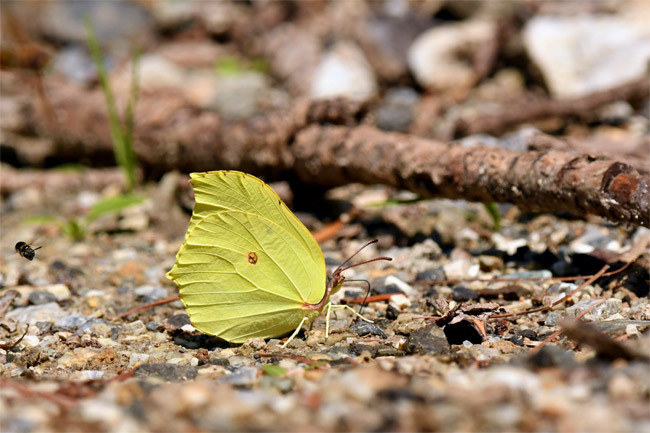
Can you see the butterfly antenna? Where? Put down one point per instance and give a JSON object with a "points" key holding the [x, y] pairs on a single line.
{"points": [[341, 268]]}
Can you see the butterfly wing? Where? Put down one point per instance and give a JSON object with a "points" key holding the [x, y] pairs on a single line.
{"points": [[247, 265]]}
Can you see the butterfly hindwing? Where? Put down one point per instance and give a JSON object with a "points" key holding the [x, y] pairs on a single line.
{"points": [[246, 267]]}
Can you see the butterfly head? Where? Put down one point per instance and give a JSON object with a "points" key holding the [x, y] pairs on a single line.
{"points": [[335, 281]]}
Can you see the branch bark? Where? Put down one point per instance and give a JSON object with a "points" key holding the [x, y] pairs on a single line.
{"points": [[171, 134], [517, 114]]}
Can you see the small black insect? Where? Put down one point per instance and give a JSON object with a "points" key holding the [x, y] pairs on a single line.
{"points": [[25, 250]]}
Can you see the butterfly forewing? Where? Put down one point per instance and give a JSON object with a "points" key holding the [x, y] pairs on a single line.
{"points": [[247, 265]]}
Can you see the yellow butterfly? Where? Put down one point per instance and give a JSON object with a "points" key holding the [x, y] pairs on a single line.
{"points": [[248, 267]]}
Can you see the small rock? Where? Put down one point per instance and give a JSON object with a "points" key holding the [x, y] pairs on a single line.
{"points": [[344, 72], [113, 22], [75, 64], [603, 311], [150, 293], [490, 263], [243, 376], [30, 341], [73, 321], [428, 339], [156, 72], [433, 274], [438, 56], [529, 274], [458, 269], [362, 328], [463, 294], [282, 384], [551, 356], [177, 321], [76, 359], [399, 302], [49, 312], [618, 50], [138, 358], [167, 372], [397, 109], [85, 375], [240, 96], [38, 298], [136, 328], [94, 325]]}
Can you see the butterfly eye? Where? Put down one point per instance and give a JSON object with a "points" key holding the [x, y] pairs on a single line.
{"points": [[252, 258]]}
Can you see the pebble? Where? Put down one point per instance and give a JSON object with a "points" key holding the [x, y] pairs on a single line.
{"points": [[433, 274], [551, 356], [136, 328], [464, 294], [399, 302], [76, 359], [435, 57], [618, 50], [396, 111], [177, 321], [138, 358], [240, 96], [113, 22], [490, 263], [75, 64], [343, 71], [429, 339], [149, 293], [605, 310], [73, 321], [30, 341], [243, 376], [38, 298], [167, 372], [85, 375], [362, 328], [544, 273], [50, 312]]}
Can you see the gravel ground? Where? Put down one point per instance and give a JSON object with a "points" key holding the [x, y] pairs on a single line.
{"points": [[81, 367]]}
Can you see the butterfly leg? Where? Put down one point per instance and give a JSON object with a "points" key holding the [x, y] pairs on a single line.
{"points": [[294, 333], [327, 320], [343, 307]]}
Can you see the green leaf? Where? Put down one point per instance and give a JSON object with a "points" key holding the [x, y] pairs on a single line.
{"points": [[73, 229], [315, 365], [113, 204], [72, 167], [274, 370], [229, 66], [42, 219], [493, 210]]}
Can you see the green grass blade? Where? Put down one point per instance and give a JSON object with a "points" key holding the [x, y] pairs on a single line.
{"points": [[129, 114], [493, 210], [113, 204], [122, 149]]}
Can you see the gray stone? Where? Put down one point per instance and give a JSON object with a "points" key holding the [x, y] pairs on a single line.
{"points": [[167, 372], [50, 312], [362, 328], [429, 339], [344, 72], [579, 55], [72, 321], [243, 376], [38, 298], [395, 113]]}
